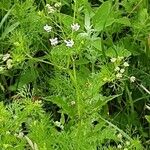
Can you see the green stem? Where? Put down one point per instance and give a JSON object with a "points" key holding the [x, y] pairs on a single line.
{"points": [[74, 16], [93, 68], [73, 77], [74, 80], [118, 129], [130, 99]]}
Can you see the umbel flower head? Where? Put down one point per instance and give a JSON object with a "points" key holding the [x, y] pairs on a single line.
{"points": [[119, 146], [50, 9], [73, 103], [6, 57], [119, 75]]}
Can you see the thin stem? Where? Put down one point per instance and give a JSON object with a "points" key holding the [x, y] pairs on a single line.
{"points": [[74, 80], [145, 89], [74, 16], [46, 62], [130, 99], [115, 127], [93, 67], [134, 8]]}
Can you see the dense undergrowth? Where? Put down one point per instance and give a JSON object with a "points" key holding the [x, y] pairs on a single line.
{"points": [[74, 74]]}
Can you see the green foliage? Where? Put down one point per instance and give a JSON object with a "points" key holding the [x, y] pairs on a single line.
{"points": [[74, 75], [42, 131], [103, 16]]}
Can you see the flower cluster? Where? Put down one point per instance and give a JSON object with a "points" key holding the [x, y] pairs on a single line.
{"points": [[113, 60], [54, 41], [53, 9], [122, 144], [6, 60], [50, 9], [6, 57], [73, 103], [120, 67]]}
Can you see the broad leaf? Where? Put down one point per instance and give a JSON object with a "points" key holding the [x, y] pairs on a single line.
{"points": [[103, 16]]}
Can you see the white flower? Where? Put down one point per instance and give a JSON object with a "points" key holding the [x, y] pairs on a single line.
{"points": [[39, 102], [47, 28], [122, 70], [57, 123], [127, 143], [132, 79], [62, 127], [119, 146], [120, 58], [117, 69], [15, 116], [69, 43], [20, 135], [47, 5], [119, 136], [54, 41], [5, 57], [119, 75], [75, 27], [58, 4], [50, 9], [73, 103], [9, 63], [126, 64], [16, 43], [113, 60]]}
